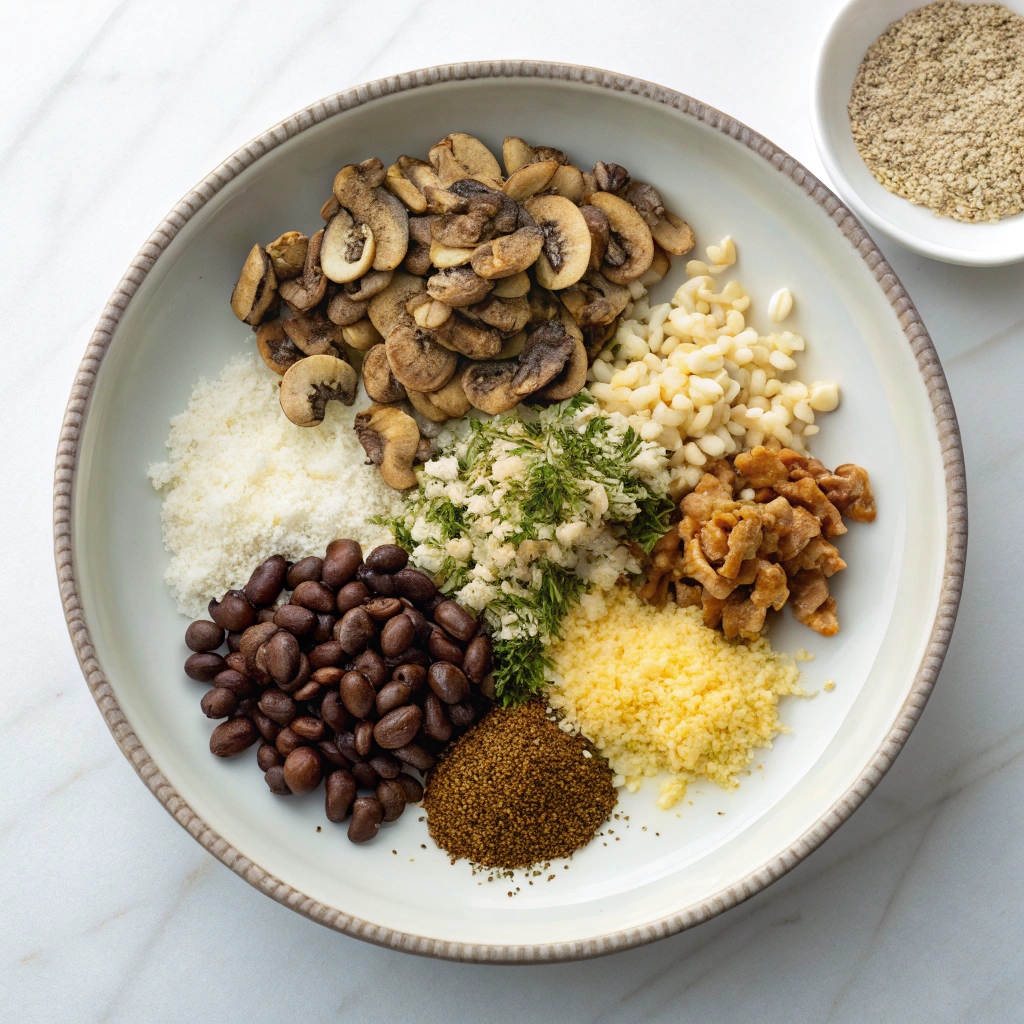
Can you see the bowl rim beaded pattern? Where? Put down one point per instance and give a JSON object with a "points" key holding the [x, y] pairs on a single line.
{"points": [[876, 766]]}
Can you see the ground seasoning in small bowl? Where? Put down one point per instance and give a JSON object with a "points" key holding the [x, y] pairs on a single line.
{"points": [[516, 791], [937, 109]]}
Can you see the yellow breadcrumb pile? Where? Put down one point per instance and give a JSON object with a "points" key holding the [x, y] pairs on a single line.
{"points": [[656, 689]]}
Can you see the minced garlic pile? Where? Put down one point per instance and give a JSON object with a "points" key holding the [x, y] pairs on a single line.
{"points": [[655, 689]]}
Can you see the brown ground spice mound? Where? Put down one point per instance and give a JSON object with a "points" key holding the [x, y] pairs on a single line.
{"points": [[516, 791]]}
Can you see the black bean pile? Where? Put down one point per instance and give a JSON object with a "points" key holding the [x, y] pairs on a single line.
{"points": [[362, 677]]}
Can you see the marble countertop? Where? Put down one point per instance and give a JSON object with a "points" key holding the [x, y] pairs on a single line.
{"points": [[914, 911]]}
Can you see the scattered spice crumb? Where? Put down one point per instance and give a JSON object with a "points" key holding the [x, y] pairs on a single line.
{"points": [[829, 686]]}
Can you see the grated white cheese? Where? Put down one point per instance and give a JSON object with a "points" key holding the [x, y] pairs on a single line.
{"points": [[243, 483]]}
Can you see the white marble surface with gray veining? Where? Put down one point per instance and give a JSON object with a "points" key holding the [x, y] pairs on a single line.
{"points": [[914, 911]]}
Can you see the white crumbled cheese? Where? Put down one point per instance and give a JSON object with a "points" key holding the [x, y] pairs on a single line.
{"points": [[242, 483], [443, 469]]}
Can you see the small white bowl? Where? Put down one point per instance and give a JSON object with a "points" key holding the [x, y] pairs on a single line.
{"points": [[856, 25]]}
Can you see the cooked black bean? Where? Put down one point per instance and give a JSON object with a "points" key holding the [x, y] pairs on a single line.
{"points": [[308, 727], [448, 681], [232, 737], [397, 728], [367, 814], [204, 667], [363, 733], [203, 635], [287, 741], [444, 648], [305, 670], [341, 791], [387, 558], [415, 585], [266, 581], [240, 685], [265, 615], [305, 570], [246, 706], [386, 766], [253, 639], [281, 655], [218, 702], [379, 582], [234, 639], [236, 660], [346, 742], [332, 711], [391, 797], [269, 729], [267, 756], [326, 655], [302, 768], [275, 780], [352, 595], [343, 558], [416, 756], [278, 706], [435, 722], [324, 630], [397, 636], [364, 775], [297, 620], [308, 692], [455, 619], [233, 611], [357, 694], [412, 788], [414, 676], [380, 609], [372, 665], [420, 623], [477, 661], [331, 753], [317, 597], [355, 630], [462, 715], [413, 656], [392, 695]]}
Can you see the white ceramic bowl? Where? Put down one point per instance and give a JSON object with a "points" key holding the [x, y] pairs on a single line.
{"points": [[169, 322], [856, 25]]}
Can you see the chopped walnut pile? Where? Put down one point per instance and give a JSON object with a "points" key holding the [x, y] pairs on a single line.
{"points": [[736, 557]]}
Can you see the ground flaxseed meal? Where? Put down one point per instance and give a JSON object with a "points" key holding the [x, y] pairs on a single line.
{"points": [[937, 109], [516, 790]]}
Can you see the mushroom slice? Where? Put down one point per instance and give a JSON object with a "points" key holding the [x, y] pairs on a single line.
{"points": [[610, 177], [488, 386], [402, 188], [572, 377], [442, 256], [380, 383], [419, 172], [630, 245], [461, 230], [388, 219], [390, 438], [673, 235], [530, 180], [509, 316], [314, 334], [459, 150], [512, 287], [417, 359], [468, 339], [420, 229], [590, 186], [257, 285], [509, 254], [545, 353], [361, 336], [660, 266], [441, 201], [330, 209], [276, 349], [512, 347], [482, 201], [458, 286], [647, 201], [387, 309], [343, 311], [417, 260], [347, 250], [373, 282], [427, 311], [567, 181], [596, 300], [516, 153], [596, 338], [311, 383], [307, 291], [543, 306], [600, 232], [288, 254], [450, 402], [566, 252], [422, 403]]}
